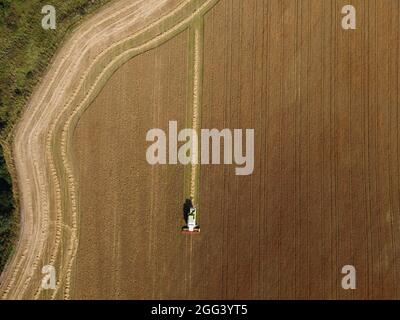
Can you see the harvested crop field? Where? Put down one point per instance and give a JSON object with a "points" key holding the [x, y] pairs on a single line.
{"points": [[325, 190], [130, 240]]}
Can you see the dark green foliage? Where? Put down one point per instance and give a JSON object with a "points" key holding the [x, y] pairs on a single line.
{"points": [[6, 212]]}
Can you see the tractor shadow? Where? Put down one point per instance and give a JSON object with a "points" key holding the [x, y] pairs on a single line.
{"points": [[186, 209]]}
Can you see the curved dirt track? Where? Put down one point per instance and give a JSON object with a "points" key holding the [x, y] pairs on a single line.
{"points": [[49, 224]]}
